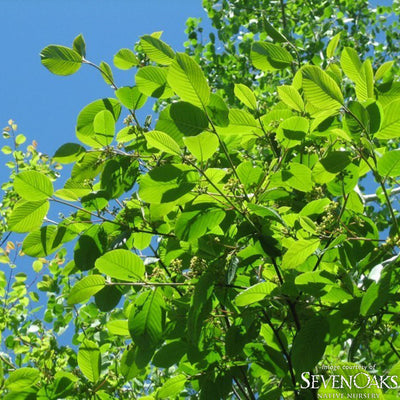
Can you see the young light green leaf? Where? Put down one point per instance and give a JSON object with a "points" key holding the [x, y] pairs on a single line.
{"points": [[248, 173], [255, 293], [86, 288], [22, 378], [172, 387], [84, 125], [298, 176], [351, 64], [61, 60], [118, 327], [156, 50], [298, 252], [241, 122], [290, 96], [246, 96], [188, 81], [383, 70], [106, 73], [33, 185], [360, 73], [121, 264], [79, 45], [27, 216], [131, 97], [390, 128], [104, 127], [320, 89], [89, 360], [125, 59], [152, 81], [202, 146], [163, 142], [269, 57], [332, 45], [389, 164]]}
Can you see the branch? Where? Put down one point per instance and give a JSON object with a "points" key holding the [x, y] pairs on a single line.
{"points": [[367, 198]]}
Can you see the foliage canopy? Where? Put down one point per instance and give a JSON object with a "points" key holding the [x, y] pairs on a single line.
{"points": [[229, 247]]}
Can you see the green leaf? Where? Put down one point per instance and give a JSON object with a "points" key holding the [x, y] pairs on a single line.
{"points": [[292, 131], [377, 294], [172, 387], [88, 167], [218, 111], [298, 176], [383, 70], [202, 146], [188, 81], [90, 246], [162, 142], [269, 57], [69, 153], [241, 122], [86, 288], [189, 119], [274, 33], [27, 216], [320, 89], [22, 378], [298, 252], [118, 327], [169, 354], [168, 183], [89, 360], [191, 225], [33, 186], [336, 161], [249, 174], [121, 264], [127, 366], [104, 127], [351, 64], [152, 81], [200, 307], [106, 73], [290, 96], [391, 122], [389, 164], [309, 344], [79, 45], [361, 74], [125, 59], [61, 60], [84, 125], [131, 97], [156, 50], [146, 318], [332, 45], [246, 96], [255, 293], [44, 241]]}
